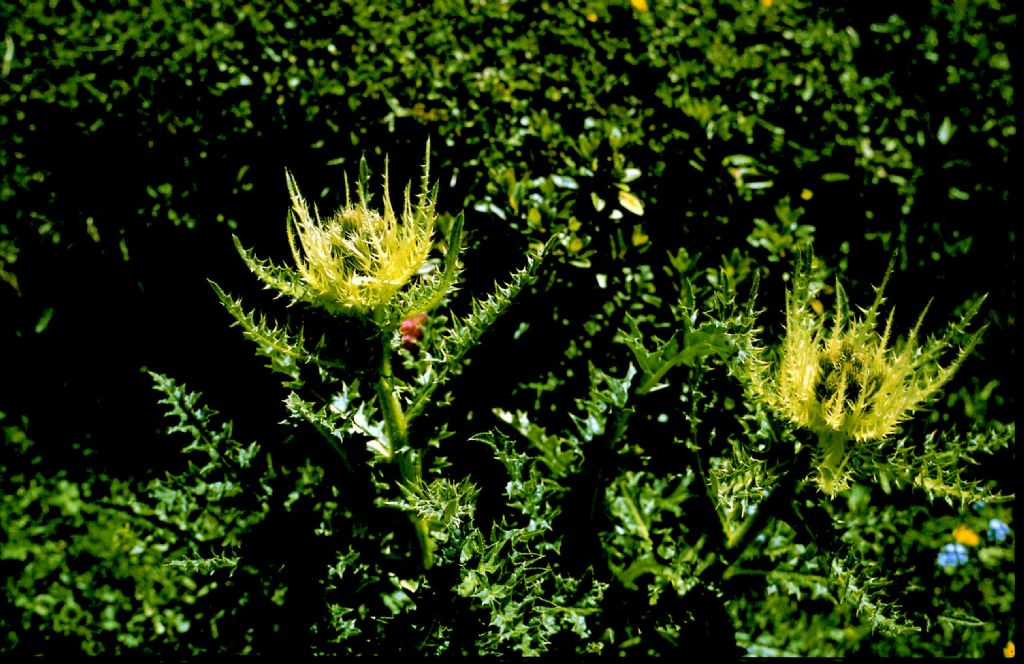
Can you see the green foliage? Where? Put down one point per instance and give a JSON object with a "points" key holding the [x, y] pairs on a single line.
{"points": [[514, 575], [211, 501], [545, 420], [86, 571]]}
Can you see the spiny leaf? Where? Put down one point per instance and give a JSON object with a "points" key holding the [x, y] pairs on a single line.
{"points": [[200, 501], [424, 294], [856, 587], [710, 338], [553, 454], [285, 281], [284, 350], [936, 466], [464, 333], [193, 418], [206, 565], [324, 420]]}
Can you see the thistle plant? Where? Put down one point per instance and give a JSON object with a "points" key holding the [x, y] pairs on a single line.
{"points": [[849, 384], [361, 263]]}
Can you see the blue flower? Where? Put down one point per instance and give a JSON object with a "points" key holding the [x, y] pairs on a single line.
{"points": [[952, 555], [997, 530]]}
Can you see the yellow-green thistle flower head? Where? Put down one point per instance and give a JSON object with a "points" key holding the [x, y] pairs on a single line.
{"points": [[850, 383], [358, 259], [365, 262]]}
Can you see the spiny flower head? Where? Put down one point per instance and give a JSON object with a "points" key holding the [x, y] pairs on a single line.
{"points": [[845, 381], [358, 259], [363, 262], [846, 377]]}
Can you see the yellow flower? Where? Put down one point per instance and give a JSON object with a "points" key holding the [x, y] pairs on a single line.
{"points": [[358, 259], [639, 5], [846, 382], [966, 536], [1009, 651]]}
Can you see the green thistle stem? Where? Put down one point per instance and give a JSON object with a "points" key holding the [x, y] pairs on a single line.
{"points": [[832, 462], [395, 422], [397, 427]]}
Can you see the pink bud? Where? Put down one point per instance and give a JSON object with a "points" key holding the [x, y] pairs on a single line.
{"points": [[412, 329]]}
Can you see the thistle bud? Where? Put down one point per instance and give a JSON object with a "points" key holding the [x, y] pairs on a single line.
{"points": [[411, 330]]}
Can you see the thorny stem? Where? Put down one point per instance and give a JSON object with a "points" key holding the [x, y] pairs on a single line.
{"points": [[394, 418], [833, 459], [397, 427]]}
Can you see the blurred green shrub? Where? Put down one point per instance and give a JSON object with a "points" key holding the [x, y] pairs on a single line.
{"points": [[85, 573]]}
